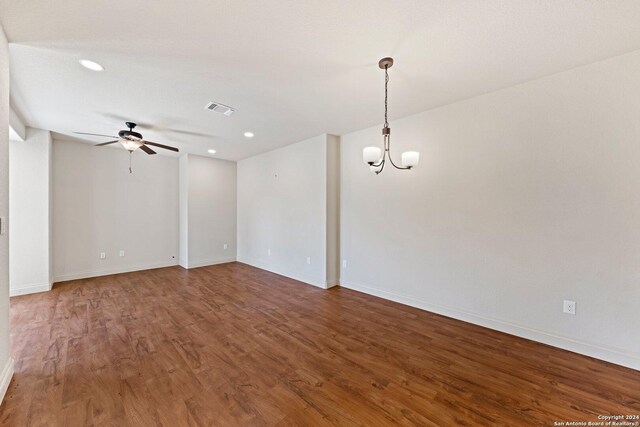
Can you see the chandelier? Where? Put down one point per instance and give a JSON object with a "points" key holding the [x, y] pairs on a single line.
{"points": [[374, 156]]}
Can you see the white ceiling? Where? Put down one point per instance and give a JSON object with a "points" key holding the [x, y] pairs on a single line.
{"points": [[293, 69]]}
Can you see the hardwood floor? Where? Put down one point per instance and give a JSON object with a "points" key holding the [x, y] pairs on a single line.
{"points": [[235, 345]]}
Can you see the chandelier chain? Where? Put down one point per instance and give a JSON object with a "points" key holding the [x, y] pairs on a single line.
{"points": [[386, 83]]}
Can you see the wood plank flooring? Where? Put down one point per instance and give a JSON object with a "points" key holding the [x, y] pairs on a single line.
{"points": [[234, 345]]}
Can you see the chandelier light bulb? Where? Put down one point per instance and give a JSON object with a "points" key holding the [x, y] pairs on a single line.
{"points": [[410, 159], [371, 155]]}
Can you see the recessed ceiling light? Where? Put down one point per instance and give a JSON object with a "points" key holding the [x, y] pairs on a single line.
{"points": [[212, 151], [94, 66], [248, 134]]}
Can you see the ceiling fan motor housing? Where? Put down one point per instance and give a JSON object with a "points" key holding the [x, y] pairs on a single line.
{"points": [[129, 134]]}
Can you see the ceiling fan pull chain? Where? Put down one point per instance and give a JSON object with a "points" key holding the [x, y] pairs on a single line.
{"points": [[130, 161]]}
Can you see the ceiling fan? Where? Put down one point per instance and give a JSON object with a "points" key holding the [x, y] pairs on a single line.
{"points": [[131, 141]]}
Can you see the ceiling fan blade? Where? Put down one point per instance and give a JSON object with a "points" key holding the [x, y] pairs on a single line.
{"points": [[105, 143], [147, 149], [95, 134], [166, 147]]}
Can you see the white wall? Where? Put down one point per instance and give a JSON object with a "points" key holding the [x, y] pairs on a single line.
{"points": [[211, 210], [282, 207], [29, 200], [6, 362], [524, 197], [98, 206]]}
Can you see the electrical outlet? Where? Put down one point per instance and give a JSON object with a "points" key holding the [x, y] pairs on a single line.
{"points": [[269, 252], [569, 307], [344, 263], [103, 255], [121, 253], [308, 260], [225, 246]]}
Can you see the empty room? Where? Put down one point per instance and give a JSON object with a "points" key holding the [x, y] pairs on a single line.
{"points": [[309, 213]]}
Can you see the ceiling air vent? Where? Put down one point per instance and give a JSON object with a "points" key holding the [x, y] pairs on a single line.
{"points": [[220, 108]]}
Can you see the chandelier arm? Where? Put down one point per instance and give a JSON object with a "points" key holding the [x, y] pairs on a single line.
{"points": [[382, 168], [388, 150], [395, 166]]}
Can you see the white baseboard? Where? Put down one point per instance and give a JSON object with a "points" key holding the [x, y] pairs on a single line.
{"points": [[290, 274], [204, 263], [29, 289], [116, 270], [617, 356], [5, 378], [331, 283]]}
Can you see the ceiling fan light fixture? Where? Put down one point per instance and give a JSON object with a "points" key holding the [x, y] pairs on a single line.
{"points": [[93, 66], [130, 144]]}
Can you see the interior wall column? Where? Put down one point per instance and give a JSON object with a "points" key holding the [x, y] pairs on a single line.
{"points": [[30, 267]]}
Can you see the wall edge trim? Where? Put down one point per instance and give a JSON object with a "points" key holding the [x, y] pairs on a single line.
{"points": [[106, 272], [615, 356], [205, 263], [5, 379], [30, 289]]}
